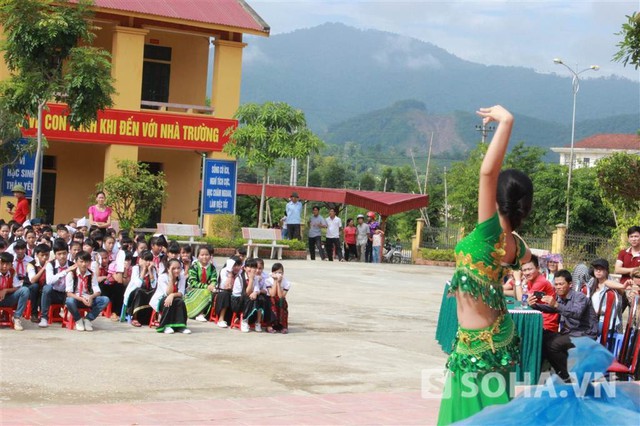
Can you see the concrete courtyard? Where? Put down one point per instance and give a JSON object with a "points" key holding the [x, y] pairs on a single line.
{"points": [[360, 335]]}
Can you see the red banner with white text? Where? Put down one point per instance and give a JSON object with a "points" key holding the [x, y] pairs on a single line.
{"points": [[157, 130]]}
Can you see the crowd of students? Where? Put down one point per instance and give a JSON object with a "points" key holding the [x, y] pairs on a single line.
{"points": [[147, 281]]}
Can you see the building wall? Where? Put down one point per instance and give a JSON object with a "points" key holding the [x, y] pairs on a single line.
{"points": [[79, 167], [182, 171]]}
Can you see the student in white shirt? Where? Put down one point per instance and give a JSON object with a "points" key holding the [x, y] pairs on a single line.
{"points": [[168, 299], [13, 293], [332, 238], [141, 288], [278, 287], [222, 299], [83, 291]]}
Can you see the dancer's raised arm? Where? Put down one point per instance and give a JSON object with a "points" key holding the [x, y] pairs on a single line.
{"points": [[492, 162]]}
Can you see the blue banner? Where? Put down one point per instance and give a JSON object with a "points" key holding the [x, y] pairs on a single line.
{"points": [[219, 187], [19, 173]]}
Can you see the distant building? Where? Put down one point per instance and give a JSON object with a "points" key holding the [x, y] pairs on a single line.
{"points": [[587, 152]]}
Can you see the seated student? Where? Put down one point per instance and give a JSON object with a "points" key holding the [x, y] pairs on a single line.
{"points": [[107, 245], [54, 292], [222, 299], [140, 247], [4, 246], [263, 296], [83, 291], [577, 319], [120, 266], [168, 300], [5, 232], [78, 237], [598, 287], [17, 233], [37, 276], [12, 292], [30, 238], [241, 252], [47, 231], [63, 232], [278, 287], [108, 285], [187, 259], [75, 247], [142, 286], [157, 245], [244, 298], [20, 262], [201, 284]]}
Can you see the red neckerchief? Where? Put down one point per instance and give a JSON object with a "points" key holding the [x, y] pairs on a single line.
{"points": [[82, 283], [147, 282], [20, 267], [6, 281], [203, 277], [156, 261]]}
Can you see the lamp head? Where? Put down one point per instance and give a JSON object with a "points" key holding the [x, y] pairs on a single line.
{"points": [[557, 61], [594, 67]]}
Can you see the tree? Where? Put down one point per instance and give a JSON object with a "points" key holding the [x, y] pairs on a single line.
{"points": [[618, 177], [267, 133], [629, 47], [12, 146], [134, 192], [463, 187], [49, 54]]}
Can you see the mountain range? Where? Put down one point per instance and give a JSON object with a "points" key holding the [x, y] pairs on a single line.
{"points": [[373, 87]]}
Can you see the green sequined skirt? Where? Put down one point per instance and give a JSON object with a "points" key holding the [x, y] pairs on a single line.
{"points": [[479, 368]]}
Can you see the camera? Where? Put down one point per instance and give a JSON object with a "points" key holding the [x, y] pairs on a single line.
{"points": [[10, 205]]}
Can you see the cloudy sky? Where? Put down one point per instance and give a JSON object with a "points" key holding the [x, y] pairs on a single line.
{"points": [[493, 32]]}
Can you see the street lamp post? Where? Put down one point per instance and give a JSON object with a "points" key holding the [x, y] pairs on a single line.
{"points": [[575, 84]]}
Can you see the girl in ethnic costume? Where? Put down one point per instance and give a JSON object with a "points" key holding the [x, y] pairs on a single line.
{"points": [[486, 342], [201, 284], [168, 299], [144, 280]]}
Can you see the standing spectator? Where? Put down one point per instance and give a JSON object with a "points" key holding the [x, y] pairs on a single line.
{"points": [[316, 223], [22, 207], [550, 264], [293, 212], [628, 260], [350, 247], [373, 225], [362, 237], [598, 288], [333, 235], [376, 244], [100, 213]]}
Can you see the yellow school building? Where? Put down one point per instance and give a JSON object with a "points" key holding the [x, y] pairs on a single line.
{"points": [[160, 64]]}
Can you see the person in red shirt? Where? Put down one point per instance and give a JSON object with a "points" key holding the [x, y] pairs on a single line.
{"points": [[535, 282], [349, 231], [22, 208], [628, 261]]}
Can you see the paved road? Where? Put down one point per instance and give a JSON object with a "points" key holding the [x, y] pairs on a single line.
{"points": [[356, 329]]}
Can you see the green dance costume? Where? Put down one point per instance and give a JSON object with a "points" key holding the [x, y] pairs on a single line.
{"points": [[489, 350], [198, 298]]}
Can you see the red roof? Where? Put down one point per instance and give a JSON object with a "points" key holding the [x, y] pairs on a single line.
{"points": [[610, 141], [232, 13], [385, 203]]}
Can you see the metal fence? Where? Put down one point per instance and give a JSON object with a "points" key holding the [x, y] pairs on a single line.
{"points": [[586, 248], [440, 238], [541, 243]]}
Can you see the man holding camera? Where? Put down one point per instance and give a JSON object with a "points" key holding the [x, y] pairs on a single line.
{"points": [[577, 319], [22, 210]]}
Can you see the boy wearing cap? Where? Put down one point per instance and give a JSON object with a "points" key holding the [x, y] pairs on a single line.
{"points": [[12, 293], [22, 207], [294, 217]]}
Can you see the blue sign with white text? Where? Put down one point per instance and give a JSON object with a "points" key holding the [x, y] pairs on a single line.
{"points": [[219, 187], [19, 173]]}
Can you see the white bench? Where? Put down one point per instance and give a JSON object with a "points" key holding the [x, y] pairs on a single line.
{"points": [[251, 234], [181, 230]]}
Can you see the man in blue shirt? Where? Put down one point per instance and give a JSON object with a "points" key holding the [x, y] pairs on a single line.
{"points": [[293, 211]]}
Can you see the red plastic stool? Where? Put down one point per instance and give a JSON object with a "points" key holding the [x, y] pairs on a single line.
{"points": [[54, 313], [67, 318], [235, 321], [8, 312], [106, 312], [27, 310]]}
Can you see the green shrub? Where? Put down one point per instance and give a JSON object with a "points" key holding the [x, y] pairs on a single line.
{"points": [[441, 255]]}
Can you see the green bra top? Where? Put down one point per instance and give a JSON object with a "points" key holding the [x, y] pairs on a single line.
{"points": [[479, 267]]}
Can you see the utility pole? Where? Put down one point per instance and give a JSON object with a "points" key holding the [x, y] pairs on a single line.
{"points": [[484, 131], [446, 201]]}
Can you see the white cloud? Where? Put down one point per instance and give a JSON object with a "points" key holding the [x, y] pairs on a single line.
{"points": [[400, 51], [493, 32]]}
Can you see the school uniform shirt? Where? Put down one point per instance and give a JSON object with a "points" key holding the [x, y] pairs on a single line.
{"points": [[238, 285], [84, 281], [161, 289], [9, 280], [224, 274], [20, 266], [120, 261], [57, 281], [286, 285], [31, 272], [138, 282]]}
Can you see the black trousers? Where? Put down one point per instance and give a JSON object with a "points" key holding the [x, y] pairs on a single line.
{"points": [[293, 231], [330, 243], [555, 348], [368, 253], [313, 243]]}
